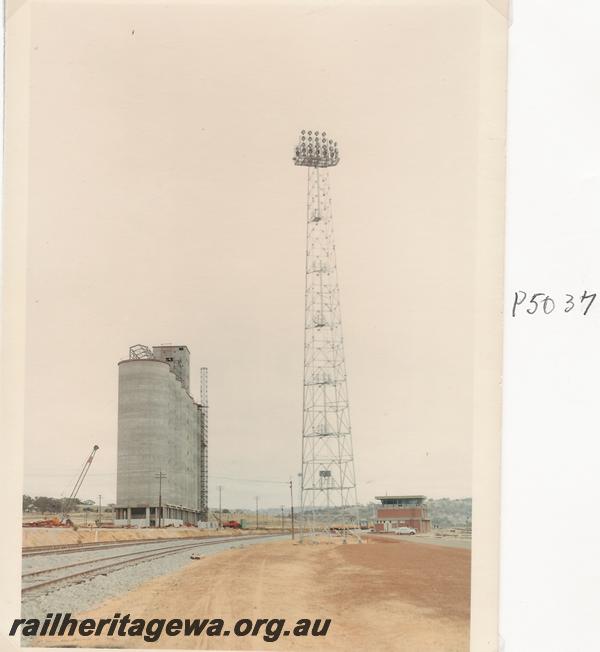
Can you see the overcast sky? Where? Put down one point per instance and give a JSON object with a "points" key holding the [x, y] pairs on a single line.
{"points": [[165, 208]]}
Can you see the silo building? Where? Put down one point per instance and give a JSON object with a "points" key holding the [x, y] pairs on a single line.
{"points": [[162, 440]]}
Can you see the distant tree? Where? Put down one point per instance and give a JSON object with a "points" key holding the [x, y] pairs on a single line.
{"points": [[27, 503], [447, 512], [45, 504]]}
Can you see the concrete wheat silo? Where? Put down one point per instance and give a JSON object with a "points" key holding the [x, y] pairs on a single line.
{"points": [[158, 431]]}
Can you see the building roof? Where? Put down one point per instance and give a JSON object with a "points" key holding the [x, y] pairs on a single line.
{"points": [[398, 497]]}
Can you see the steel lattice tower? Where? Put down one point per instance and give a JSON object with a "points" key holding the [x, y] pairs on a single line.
{"points": [[328, 478], [203, 447]]}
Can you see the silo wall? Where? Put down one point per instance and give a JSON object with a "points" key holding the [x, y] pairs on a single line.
{"points": [[158, 430]]}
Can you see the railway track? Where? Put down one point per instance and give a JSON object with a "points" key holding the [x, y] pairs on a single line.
{"points": [[33, 551], [100, 567]]}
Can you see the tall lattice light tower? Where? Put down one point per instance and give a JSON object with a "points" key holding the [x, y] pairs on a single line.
{"points": [[328, 478]]}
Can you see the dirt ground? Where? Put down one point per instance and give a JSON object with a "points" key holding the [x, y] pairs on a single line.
{"points": [[381, 595], [40, 536]]}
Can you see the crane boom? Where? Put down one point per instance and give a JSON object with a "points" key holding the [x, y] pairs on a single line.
{"points": [[86, 467]]}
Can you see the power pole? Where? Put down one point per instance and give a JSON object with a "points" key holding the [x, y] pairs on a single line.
{"points": [[292, 505], [328, 479], [256, 512], [282, 519], [99, 510], [160, 476], [220, 513]]}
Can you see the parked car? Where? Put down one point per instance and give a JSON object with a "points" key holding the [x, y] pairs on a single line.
{"points": [[405, 530]]}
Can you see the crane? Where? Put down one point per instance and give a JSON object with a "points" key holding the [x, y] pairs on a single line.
{"points": [[70, 500]]}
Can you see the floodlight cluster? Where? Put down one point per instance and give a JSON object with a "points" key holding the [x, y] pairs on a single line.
{"points": [[315, 149]]}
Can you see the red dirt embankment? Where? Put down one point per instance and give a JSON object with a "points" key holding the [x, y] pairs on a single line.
{"points": [[40, 536]]}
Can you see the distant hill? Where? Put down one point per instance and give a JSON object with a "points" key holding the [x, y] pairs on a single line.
{"points": [[444, 512], [450, 512]]}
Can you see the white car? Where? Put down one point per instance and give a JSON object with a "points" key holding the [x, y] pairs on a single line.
{"points": [[405, 530]]}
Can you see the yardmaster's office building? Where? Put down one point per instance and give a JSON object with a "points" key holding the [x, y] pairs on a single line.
{"points": [[402, 511], [162, 440]]}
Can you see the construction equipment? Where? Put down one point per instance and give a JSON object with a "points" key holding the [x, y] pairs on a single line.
{"points": [[49, 522], [68, 504]]}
